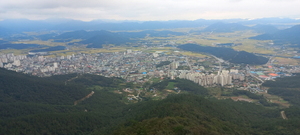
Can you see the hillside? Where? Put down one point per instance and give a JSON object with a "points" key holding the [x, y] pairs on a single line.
{"points": [[151, 33], [105, 39], [227, 54], [4, 32], [16, 87], [80, 34], [287, 36], [32, 105], [225, 27], [288, 88], [232, 27], [190, 114], [96, 39], [264, 28]]}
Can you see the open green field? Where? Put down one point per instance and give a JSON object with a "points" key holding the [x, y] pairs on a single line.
{"points": [[40, 42], [192, 54], [276, 99], [286, 61], [160, 49], [170, 86], [15, 51], [211, 38]]}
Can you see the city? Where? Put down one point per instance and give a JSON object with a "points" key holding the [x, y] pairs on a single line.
{"points": [[139, 66]]}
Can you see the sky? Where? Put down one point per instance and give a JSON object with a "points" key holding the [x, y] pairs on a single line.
{"points": [[148, 10]]}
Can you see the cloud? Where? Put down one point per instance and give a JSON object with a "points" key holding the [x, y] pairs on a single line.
{"points": [[147, 9]]}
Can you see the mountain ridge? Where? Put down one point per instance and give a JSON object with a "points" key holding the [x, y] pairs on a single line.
{"points": [[22, 25], [227, 54], [286, 36]]}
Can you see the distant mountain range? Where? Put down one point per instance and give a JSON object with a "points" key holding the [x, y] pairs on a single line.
{"points": [[82, 34], [151, 33], [231, 27], [225, 27], [4, 31], [95, 39], [21, 25], [287, 36], [105, 37], [260, 28]]}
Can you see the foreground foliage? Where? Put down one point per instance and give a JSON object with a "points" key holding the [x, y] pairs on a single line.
{"points": [[32, 105]]}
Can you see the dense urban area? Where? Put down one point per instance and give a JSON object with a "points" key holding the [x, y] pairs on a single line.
{"points": [[139, 67]]}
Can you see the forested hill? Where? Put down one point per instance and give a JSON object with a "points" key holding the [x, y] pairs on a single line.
{"points": [[286, 36], [265, 28], [16, 87], [32, 105], [227, 54], [4, 31], [225, 27], [288, 88], [105, 39], [96, 39], [232, 27], [190, 114]]}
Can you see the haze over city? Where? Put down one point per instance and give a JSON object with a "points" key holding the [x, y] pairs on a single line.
{"points": [[147, 10]]}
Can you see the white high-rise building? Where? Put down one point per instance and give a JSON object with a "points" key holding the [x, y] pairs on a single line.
{"points": [[17, 63], [51, 69], [155, 55], [225, 72], [9, 65], [222, 78], [69, 57], [4, 60], [129, 51], [174, 65], [41, 58], [55, 65], [234, 71]]}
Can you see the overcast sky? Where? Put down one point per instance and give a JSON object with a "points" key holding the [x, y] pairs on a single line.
{"points": [[145, 10]]}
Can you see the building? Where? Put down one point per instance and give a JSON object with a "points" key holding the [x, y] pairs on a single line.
{"points": [[174, 65], [55, 65], [16, 63]]}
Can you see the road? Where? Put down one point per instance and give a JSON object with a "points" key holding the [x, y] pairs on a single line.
{"points": [[283, 115], [248, 71], [219, 59], [71, 79], [87, 96]]}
